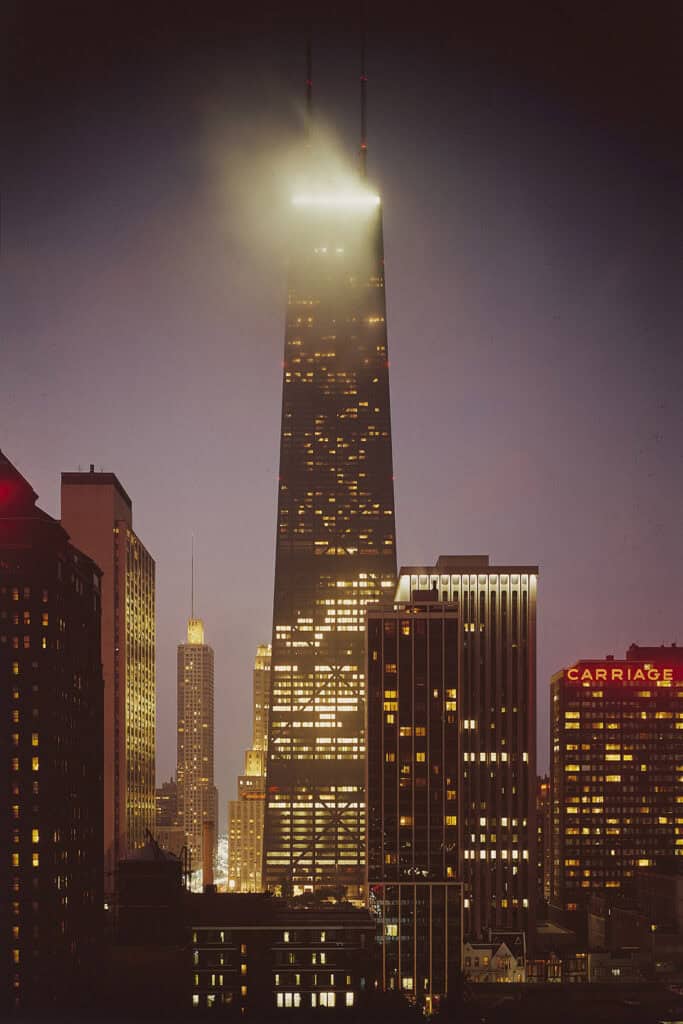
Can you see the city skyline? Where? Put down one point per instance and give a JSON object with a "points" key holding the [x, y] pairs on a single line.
{"points": [[606, 488]]}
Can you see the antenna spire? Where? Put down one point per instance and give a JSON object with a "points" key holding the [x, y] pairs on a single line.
{"points": [[309, 89], [363, 110]]}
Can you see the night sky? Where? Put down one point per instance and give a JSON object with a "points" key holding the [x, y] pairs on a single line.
{"points": [[530, 168]]}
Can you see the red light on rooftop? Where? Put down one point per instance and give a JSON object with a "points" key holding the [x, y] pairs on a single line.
{"points": [[9, 491]]}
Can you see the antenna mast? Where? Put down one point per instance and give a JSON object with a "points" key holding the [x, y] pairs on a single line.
{"points": [[192, 583], [309, 89], [363, 110]]}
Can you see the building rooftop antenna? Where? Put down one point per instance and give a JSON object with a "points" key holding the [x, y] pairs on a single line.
{"points": [[192, 582], [363, 109], [309, 88]]}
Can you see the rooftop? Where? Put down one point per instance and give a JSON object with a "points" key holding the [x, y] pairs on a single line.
{"points": [[95, 478], [448, 564]]}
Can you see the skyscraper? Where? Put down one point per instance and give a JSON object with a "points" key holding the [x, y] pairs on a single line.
{"points": [[245, 814], [616, 772], [452, 738], [98, 515], [197, 798], [335, 544], [51, 738]]}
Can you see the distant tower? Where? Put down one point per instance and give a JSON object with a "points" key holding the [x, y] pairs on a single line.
{"points": [[51, 757], [245, 814], [98, 515], [335, 546], [197, 797]]}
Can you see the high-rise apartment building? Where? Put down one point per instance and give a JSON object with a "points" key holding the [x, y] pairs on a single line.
{"points": [[197, 797], [335, 544], [451, 743], [616, 771], [245, 814], [98, 515], [51, 739]]}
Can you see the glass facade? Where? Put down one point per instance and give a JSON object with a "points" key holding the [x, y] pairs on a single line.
{"points": [[335, 549], [135, 681]]}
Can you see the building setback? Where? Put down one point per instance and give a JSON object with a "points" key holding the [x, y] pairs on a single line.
{"points": [[451, 739], [616, 772], [335, 544], [245, 814], [197, 797], [98, 515], [51, 738]]}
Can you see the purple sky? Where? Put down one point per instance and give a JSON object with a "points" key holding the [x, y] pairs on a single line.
{"points": [[530, 175]]}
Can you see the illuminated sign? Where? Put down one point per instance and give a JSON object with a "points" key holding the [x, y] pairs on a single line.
{"points": [[623, 674]]}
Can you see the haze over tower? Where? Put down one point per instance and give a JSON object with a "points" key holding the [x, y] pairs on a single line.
{"points": [[335, 548]]}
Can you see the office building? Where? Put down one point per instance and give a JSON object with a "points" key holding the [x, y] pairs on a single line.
{"points": [[98, 515], [245, 814], [197, 797], [451, 744], [616, 773], [51, 738], [543, 840], [169, 832], [335, 542]]}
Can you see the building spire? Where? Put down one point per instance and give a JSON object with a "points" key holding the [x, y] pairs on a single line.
{"points": [[363, 109], [192, 582]]}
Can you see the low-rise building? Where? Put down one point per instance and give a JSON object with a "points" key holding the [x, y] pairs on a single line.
{"points": [[259, 953], [493, 961], [247, 953]]}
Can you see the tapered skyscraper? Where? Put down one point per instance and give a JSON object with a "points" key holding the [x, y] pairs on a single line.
{"points": [[335, 548]]}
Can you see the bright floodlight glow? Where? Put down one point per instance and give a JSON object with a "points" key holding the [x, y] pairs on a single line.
{"points": [[339, 199]]}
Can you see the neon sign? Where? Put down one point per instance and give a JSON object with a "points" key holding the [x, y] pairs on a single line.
{"points": [[613, 674]]}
